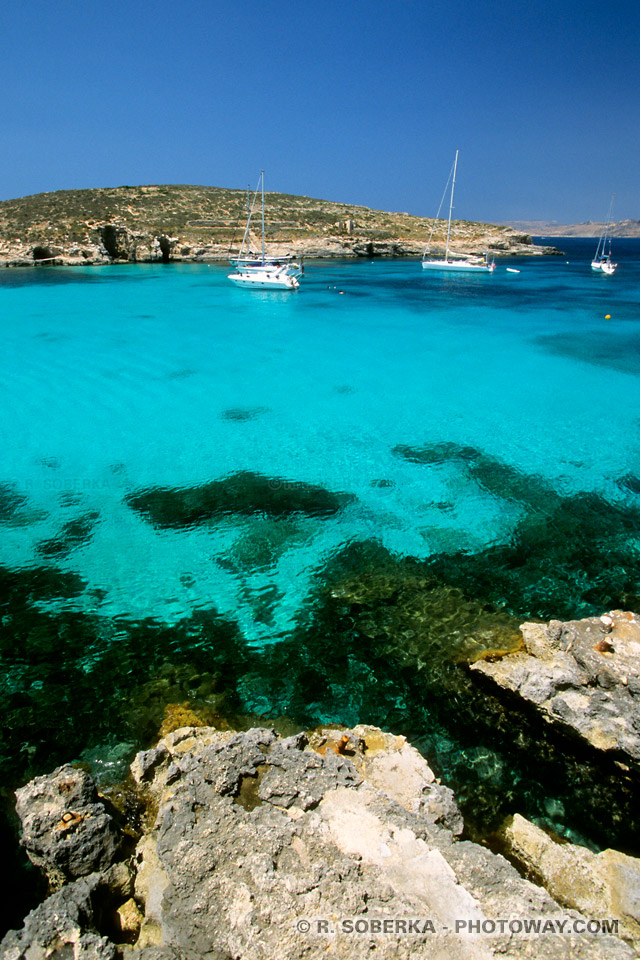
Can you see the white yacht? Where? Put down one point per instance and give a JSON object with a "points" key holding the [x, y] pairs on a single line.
{"points": [[602, 260], [452, 262], [256, 269]]}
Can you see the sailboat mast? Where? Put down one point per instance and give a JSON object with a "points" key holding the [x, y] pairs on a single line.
{"points": [[453, 184], [609, 224], [262, 175]]}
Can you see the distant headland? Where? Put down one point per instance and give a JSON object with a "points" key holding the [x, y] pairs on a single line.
{"points": [[591, 228], [178, 223]]}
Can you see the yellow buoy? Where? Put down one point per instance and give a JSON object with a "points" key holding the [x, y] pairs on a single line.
{"points": [[608, 316]]}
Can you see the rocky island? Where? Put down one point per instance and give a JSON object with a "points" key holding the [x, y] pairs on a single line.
{"points": [[149, 224], [338, 841]]}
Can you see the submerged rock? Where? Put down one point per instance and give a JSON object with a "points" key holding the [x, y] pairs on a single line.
{"points": [[337, 841], [244, 493], [73, 534], [582, 676]]}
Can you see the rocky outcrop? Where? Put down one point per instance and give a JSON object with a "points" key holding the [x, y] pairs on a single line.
{"points": [[117, 243], [66, 830], [582, 676], [339, 842], [607, 882]]}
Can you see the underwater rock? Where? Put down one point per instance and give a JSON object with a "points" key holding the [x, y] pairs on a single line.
{"points": [[14, 508], [66, 829], [73, 534], [444, 451], [492, 474], [568, 557], [630, 482], [269, 847], [264, 541], [11, 501], [244, 494], [243, 413], [582, 676]]}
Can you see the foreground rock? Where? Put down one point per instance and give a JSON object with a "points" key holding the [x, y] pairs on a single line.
{"points": [[66, 830], [583, 676], [342, 843], [606, 882]]}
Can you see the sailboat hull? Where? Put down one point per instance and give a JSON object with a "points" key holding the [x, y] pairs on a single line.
{"points": [[457, 266], [265, 281]]}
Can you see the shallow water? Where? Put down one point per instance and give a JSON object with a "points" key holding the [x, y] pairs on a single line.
{"points": [[190, 472]]}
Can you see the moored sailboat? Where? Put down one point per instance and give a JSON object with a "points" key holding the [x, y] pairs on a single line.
{"points": [[256, 269], [455, 263], [602, 260]]}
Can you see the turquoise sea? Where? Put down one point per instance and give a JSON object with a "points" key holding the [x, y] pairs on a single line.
{"points": [[312, 507]]}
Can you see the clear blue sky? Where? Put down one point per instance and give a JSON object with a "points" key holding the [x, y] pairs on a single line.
{"points": [[361, 102]]}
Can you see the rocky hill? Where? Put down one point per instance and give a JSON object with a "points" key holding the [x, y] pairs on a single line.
{"points": [[195, 223]]}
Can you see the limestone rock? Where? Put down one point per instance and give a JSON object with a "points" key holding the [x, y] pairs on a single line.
{"points": [[66, 829], [581, 676], [602, 884], [61, 926], [338, 842], [261, 845]]}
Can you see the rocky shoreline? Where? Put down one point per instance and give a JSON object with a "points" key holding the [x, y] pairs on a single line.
{"points": [[116, 243], [582, 677], [339, 841]]}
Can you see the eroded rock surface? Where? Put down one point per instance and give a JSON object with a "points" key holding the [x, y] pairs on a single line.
{"points": [[337, 843], [66, 829], [606, 882], [583, 676]]}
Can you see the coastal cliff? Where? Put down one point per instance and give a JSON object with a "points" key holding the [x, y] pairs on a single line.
{"points": [[257, 845], [161, 224]]}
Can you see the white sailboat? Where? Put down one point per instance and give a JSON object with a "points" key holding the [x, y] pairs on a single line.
{"points": [[602, 260], [454, 263], [256, 269]]}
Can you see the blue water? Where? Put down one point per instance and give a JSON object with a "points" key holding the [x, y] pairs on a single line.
{"points": [[469, 422], [124, 377]]}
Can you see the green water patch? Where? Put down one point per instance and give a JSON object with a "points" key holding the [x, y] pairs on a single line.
{"points": [[73, 534], [68, 678], [77, 686], [240, 494]]}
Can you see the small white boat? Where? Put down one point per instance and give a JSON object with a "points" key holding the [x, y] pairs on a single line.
{"points": [[455, 263], [602, 260], [257, 269]]}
